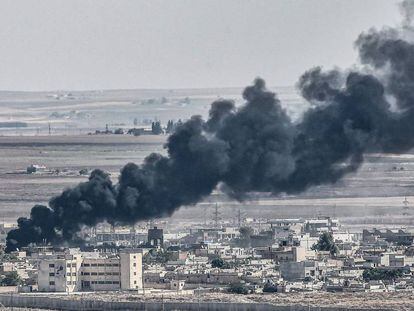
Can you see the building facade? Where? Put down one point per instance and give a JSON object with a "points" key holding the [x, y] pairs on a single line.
{"points": [[81, 271]]}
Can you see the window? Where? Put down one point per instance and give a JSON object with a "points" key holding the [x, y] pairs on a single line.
{"points": [[135, 282], [51, 283], [94, 265], [94, 273], [115, 282], [134, 264], [51, 274], [68, 265], [135, 273], [101, 265], [115, 273], [86, 265], [51, 265], [74, 265], [86, 273], [101, 273]]}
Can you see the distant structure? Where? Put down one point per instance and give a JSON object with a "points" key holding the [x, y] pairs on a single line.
{"points": [[156, 237]]}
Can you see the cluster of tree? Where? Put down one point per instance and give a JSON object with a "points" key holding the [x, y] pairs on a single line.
{"points": [[6, 256], [158, 256], [171, 126], [156, 128], [220, 263], [10, 279], [269, 288], [376, 274], [118, 131], [326, 243], [239, 288]]}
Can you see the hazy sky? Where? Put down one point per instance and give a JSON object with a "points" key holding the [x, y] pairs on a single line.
{"points": [[101, 44]]}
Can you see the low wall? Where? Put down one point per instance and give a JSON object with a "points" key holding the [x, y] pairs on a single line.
{"points": [[9, 289], [56, 303]]}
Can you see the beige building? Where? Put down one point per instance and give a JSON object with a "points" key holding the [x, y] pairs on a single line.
{"points": [[90, 271]]}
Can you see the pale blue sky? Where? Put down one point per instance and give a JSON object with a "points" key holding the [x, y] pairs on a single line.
{"points": [[102, 44]]}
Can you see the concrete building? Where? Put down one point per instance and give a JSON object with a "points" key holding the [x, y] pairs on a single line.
{"points": [[156, 237], [295, 271], [315, 227], [282, 253], [90, 271], [398, 236]]}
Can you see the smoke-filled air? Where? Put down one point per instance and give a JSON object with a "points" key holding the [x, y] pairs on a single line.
{"points": [[255, 147]]}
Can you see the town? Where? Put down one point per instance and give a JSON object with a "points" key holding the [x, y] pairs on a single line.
{"points": [[240, 256]]}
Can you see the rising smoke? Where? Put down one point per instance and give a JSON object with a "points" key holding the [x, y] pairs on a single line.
{"points": [[255, 147]]}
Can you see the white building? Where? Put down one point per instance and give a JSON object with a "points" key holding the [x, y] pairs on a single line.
{"points": [[90, 271]]}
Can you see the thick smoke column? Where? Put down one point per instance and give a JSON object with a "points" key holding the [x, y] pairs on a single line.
{"points": [[255, 147]]}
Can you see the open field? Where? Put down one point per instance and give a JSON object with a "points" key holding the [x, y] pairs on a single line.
{"points": [[378, 189]]}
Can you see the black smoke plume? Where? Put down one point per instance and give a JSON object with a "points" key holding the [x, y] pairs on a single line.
{"points": [[255, 147]]}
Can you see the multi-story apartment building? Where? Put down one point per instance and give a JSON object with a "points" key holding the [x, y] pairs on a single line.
{"points": [[90, 271]]}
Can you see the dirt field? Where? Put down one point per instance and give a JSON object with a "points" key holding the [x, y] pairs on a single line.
{"points": [[401, 301], [377, 190]]}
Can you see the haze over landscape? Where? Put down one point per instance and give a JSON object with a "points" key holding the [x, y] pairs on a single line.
{"points": [[127, 44], [207, 155]]}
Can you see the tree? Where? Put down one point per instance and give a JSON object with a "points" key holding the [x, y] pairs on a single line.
{"points": [[239, 288], [170, 127], [269, 288], [156, 128], [158, 256], [382, 274], [220, 263], [10, 279], [326, 243]]}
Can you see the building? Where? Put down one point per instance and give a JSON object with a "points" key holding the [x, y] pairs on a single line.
{"points": [[90, 271], [399, 236], [295, 271], [281, 254], [156, 237], [315, 227], [5, 228]]}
